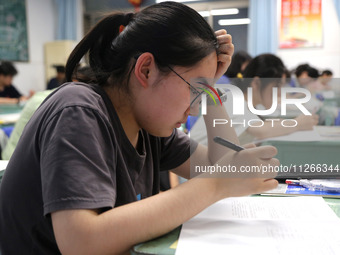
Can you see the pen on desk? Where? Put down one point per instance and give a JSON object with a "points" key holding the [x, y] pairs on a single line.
{"points": [[228, 144], [293, 182], [302, 182]]}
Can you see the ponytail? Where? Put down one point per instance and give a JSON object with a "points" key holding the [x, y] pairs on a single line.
{"points": [[97, 42]]}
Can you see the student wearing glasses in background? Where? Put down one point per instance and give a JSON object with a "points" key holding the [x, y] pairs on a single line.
{"points": [[84, 178]]}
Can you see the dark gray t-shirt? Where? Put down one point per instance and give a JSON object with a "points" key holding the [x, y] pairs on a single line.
{"points": [[74, 154]]}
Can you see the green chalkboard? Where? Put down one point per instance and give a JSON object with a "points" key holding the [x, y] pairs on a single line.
{"points": [[13, 30]]}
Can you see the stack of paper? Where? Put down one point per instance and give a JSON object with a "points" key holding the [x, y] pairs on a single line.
{"points": [[263, 225]]}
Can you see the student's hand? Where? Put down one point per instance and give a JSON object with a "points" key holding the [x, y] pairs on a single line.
{"points": [[307, 122], [31, 93], [226, 50], [255, 172]]}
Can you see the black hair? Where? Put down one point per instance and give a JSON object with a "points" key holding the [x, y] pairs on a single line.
{"points": [[7, 68], [301, 68], [237, 61], [268, 67], [84, 74], [59, 68], [174, 33], [327, 72], [313, 73]]}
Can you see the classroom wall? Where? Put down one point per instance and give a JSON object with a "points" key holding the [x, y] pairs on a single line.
{"points": [[42, 27], [327, 57]]}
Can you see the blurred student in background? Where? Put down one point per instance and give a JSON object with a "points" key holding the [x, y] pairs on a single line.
{"points": [[239, 62], [262, 74], [8, 93], [59, 79], [325, 79]]}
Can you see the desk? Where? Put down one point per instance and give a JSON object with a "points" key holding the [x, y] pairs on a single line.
{"points": [[325, 151], [162, 244], [9, 113]]}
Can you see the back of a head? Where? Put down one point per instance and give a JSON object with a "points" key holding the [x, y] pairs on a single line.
{"points": [[7, 68], [313, 73], [327, 73], [60, 68], [174, 33], [301, 68], [265, 66], [238, 59]]}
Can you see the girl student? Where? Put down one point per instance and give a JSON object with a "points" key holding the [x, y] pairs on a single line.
{"points": [[84, 178], [262, 74]]}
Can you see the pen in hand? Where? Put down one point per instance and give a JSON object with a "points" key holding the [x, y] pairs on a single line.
{"points": [[228, 144]]}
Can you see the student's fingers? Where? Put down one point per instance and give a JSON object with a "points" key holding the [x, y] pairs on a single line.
{"points": [[224, 39], [269, 184], [264, 152], [226, 49], [220, 32], [249, 146], [224, 61]]}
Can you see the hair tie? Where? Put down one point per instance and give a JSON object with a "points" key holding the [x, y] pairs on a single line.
{"points": [[126, 20], [121, 28]]}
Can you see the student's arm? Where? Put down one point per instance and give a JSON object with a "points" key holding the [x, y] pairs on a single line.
{"points": [[173, 179], [274, 128], [7, 100], [117, 230]]}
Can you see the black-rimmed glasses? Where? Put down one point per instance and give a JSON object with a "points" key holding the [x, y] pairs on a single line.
{"points": [[194, 93]]}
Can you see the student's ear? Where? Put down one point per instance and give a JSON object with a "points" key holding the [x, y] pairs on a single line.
{"points": [[145, 69]]}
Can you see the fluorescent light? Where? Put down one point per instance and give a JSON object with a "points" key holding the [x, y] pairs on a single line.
{"points": [[204, 13], [218, 12], [230, 11], [178, 1], [231, 22]]}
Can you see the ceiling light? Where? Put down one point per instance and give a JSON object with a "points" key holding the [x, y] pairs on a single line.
{"points": [[231, 22], [229, 11], [204, 13]]}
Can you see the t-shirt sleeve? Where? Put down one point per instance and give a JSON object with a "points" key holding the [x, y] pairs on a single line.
{"points": [[176, 149], [14, 93], [77, 161]]}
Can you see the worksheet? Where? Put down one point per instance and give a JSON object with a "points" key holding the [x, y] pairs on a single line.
{"points": [[263, 225]]}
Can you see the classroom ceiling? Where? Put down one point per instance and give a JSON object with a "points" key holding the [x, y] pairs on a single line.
{"points": [[100, 6]]}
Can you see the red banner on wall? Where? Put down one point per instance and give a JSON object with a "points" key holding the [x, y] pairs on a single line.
{"points": [[301, 24]]}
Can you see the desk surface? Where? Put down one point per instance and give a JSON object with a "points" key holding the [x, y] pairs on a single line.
{"points": [[9, 113], [166, 245], [318, 152], [10, 108]]}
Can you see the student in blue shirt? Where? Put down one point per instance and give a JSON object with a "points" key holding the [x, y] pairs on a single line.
{"points": [[84, 178]]}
